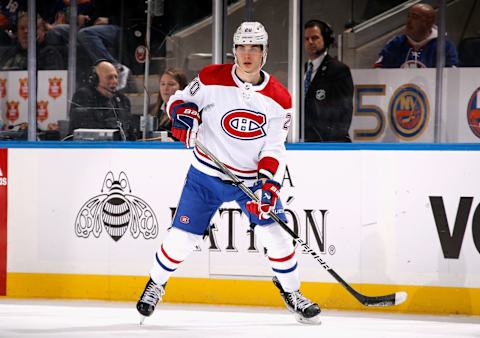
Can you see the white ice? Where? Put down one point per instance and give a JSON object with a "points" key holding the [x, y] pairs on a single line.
{"points": [[41, 318]]}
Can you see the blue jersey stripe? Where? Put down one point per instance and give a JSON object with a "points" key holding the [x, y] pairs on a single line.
{"points": [[217, 169], [286, 270], [163, 266]]}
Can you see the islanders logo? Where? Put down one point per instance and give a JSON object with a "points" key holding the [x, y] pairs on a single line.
{"points": [[244, 124], [473, 113], [409, 111], [140, 54]]}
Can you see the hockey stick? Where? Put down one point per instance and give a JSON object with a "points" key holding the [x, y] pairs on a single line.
{"points": [[387, 300]]}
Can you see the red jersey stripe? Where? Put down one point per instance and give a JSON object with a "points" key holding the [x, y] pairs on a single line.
{"points": [[168, 257], [283, 259]]}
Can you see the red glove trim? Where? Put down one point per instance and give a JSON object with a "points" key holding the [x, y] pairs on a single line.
{"points": [[174, 103], [268, 166]]}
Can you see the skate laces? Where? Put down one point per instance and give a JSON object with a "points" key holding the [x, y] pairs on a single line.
{"points": [[152, 294], [298, 301]]}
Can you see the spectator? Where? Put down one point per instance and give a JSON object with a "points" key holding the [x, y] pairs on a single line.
{"points": [[9, 12], [328, 88], [100, 106], [102, 36], [171, 80], [417, 48], [55, 13], [15, 57]]}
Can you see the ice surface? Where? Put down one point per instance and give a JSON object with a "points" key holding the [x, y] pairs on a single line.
{"points": [[45, 318]]}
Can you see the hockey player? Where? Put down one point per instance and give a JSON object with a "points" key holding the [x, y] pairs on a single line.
{"points": [[244, 122]]}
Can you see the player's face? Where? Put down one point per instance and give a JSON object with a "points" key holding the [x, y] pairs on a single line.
{"points": [[168, 86], [249, 58], [313, 42]]}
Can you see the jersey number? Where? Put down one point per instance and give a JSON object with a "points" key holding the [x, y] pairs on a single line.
{"points": [[288, 120], [194, 87]]}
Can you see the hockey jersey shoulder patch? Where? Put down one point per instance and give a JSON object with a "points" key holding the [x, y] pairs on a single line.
{"points": [[277, 92], [220, 75]]}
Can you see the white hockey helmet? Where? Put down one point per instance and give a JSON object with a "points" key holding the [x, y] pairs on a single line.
{"points": [[251, 33]]}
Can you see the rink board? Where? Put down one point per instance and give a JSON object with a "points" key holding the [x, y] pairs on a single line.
{"points": [[399, 105], [384, 219]]}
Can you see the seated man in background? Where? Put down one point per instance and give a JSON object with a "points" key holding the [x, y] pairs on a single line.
{"points": [[56, 15], [417, 48], [16, 57], [101, 35], [100, 106]]}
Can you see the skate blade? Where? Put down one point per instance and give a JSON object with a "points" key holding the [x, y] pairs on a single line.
{"points": [[308, 321], [142, 318]]}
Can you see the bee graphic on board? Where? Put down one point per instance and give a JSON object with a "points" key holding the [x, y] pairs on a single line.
{"points": [[116, 210]]}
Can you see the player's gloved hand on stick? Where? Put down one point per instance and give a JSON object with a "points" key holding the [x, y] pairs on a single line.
{"points": [[267, 197], [185, 121]]}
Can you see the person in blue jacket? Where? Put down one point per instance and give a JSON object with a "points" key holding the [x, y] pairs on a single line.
{"points": [[417, 48]]}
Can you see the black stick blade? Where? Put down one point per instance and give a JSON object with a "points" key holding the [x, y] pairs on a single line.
{"points": [[396, 298]]}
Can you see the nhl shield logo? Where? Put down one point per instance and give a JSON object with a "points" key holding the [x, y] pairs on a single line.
{"points": [[3, 88], [320, 94], [12, 111], [55, 87], [23, 89], [42, 110]]}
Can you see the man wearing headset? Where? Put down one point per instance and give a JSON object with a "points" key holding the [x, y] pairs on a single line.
{"points": [[99, 105], [244, 121], [328, 88]]}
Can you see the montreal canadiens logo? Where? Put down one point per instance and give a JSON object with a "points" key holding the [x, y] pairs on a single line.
{"points": [[409, 111], [473, 113], [244, 124]]}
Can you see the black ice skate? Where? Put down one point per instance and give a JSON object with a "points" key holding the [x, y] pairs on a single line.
{"points": [[306, 312], [150, 297]]}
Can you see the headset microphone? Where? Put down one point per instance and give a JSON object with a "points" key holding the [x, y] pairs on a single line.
{"points": [[113, 92]]}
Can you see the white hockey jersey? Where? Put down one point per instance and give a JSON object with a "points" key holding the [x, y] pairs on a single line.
{"points": [[244, 125]]}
